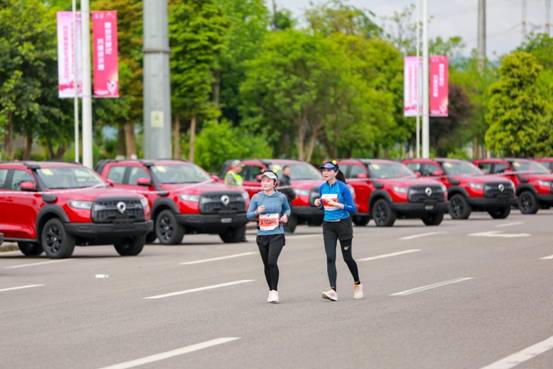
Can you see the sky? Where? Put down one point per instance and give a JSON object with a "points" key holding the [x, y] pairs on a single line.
{"points": [[458, 18]]}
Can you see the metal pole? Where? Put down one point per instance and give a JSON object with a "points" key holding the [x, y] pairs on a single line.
{"points": [[87, 98], [425, 117], [481, 35], [75, 80], [524, 19], [548, 17], [157, 92], [418, 135]]}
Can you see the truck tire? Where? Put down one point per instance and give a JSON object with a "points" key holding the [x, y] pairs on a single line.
{"points": [[361, 220], [383, 214], [30, 248], [500, 213], [130, 246], [433, 219], [57, 243], [527, 203], [234, 235], [290, 226], [168, 230], [459, 208]]}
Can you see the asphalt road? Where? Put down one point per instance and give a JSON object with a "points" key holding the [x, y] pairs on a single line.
{"points": [[466, 295]]}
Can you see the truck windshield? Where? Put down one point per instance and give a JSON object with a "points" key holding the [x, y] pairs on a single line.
{"points": [[300, 171], [461, 168], [529, 166], [389, 170], [180, 173], [68, 177]]}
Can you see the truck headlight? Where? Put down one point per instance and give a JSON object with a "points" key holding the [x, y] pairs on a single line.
{"points": [[144, 203], [544, 183], [301, 192], [399, 189], [245, 196], [476, 186], [189, 198], [81, 205]]}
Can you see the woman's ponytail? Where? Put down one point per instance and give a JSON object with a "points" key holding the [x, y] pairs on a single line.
{"points": [[340, 176]]}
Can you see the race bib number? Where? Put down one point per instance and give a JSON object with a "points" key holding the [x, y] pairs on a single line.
{"points": [[269, 222], [325, 198]]}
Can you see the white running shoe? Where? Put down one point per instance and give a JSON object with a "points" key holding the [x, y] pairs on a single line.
{"points": [[330, 295], [273, 297], [358, 291]]}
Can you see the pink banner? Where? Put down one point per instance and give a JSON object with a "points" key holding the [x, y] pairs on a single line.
{"points": [[439, 87], [67, 52], [410, 86], [105, 57]]}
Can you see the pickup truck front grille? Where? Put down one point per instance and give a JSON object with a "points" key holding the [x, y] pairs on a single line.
{"points": [[222, 202], [425, 194], [117, 211]]}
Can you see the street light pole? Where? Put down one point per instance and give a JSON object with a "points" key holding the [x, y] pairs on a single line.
{"points": [[87, 95], [75, 79], [425, 102], [418, 134], [157, 92]]}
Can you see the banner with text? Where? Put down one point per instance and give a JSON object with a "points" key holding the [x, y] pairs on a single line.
{"points": [[410, 86], [67, 52], [105, 56], [439, 87]]}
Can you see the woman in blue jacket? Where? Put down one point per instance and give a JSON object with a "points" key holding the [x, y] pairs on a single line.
{"points": [[337, 225], [271, 209]]}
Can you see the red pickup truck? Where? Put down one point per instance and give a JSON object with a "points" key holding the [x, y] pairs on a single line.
{"points": [[305, 183], [51, 207], [183, 197], [468, 188], [386, 190], [533, 182]]}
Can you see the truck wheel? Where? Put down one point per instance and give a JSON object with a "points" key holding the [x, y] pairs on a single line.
{"points": [[459, 207], [130, 246], [383, 214], [57, 243], [361, 220], [30, 248], [527, 203], [168, 230], [433, 219], [151, 237], [500, 213], [290, 226], [234, 235]]}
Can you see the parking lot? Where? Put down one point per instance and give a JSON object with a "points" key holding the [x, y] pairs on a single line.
{"points": [[466, 295]]}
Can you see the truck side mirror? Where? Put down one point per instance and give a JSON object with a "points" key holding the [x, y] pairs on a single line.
{"points": [[146, 182], [27, 186]]}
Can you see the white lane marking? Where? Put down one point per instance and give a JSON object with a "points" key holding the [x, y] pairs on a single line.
{"points": [[35, 264], [217, 259], [499, 234], [431, 286], [412, 237], [390, 255], [550, 257], [523, 355], [172, 353], [509, 224], [21, 287], [177, 293]]}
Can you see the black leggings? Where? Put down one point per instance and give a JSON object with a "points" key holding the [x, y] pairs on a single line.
{"points": [[332, 232], [270, 248]]}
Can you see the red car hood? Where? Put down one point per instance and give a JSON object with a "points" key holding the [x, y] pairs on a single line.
{"points": [[409, 181], [199, 188], [91, 194], [480, 179]]}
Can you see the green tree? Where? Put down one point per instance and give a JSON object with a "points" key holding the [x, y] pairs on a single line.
{"points": [[28, 65], [517, 110], [230, 142], [335, 16], [196, 31], [249, 24]]}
